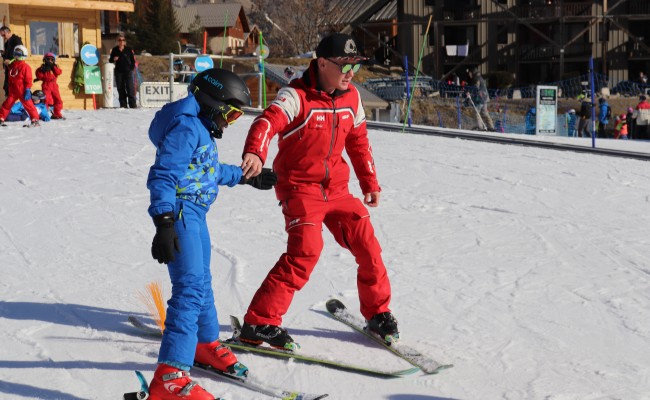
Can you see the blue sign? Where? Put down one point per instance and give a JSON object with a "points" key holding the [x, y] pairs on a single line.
{"points": [[90, 54], [201, 63]]}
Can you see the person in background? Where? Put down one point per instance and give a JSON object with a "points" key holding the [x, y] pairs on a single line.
{"points": [[571, 123], [531, 120], [630, 123], [620, 128], [183, 183], [643, 82], [585, 116], [48, 72], [317, 117], [10, 43], [641, 118], [20, 87], [180, 66], [18, 112], [124, 59], [481, 99], [604, 115]]}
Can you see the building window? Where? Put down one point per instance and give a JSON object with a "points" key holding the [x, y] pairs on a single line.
{"points": [[60, 38]]}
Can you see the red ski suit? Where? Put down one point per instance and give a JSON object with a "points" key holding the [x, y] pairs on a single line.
{"points": [[20, 78], [51, 88], [313, 129]]}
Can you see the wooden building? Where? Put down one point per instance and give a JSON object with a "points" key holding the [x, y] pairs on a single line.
{"points": [[536, 40], [60, 27], [215, 18]]}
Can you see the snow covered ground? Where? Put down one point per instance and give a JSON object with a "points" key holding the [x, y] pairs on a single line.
{"points": [[528, 269]]}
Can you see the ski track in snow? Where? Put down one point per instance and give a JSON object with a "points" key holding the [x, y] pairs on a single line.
{"points": [[526, 268]]}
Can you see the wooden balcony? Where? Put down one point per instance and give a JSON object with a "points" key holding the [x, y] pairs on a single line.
{"points": [[105, 5], [553, 11], [539, 53]]}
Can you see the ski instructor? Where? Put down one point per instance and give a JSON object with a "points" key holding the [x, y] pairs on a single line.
{"points": [[183, 183], [316, 117]]}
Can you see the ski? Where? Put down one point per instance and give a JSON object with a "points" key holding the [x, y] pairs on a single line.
{"points": [[274, 352], [253, 384], [236, 345], [244, 381], [428, 365]]}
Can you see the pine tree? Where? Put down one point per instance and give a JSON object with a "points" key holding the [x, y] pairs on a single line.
{"points": [[196, 30], [155, 27]]}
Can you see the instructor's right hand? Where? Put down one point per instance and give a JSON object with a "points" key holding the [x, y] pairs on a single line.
{"points": [[165, 241], [251, 165]]}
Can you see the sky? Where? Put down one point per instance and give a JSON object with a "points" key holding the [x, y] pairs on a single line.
{"points": [[526, 268]]}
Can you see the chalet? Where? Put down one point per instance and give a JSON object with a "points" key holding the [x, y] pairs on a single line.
{"points": [[215, 18], [60, 27]]}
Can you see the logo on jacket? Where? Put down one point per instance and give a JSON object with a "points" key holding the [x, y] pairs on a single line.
{"points": [[294, 221], [320, 118]]}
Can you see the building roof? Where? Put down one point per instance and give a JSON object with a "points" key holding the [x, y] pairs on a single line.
{"points": [[347, 12], [213, 15]]}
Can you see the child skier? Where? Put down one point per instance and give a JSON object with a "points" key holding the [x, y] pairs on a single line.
{"points": [[620, 129], [19, 74], [18, 112], [48, 73], [183, 183], [571, 120]]}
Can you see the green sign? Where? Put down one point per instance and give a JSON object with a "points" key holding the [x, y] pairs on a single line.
{"points": [[92, 79]]}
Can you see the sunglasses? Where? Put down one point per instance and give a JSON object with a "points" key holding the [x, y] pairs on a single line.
{"points": [[345, 68], [121, 40]]}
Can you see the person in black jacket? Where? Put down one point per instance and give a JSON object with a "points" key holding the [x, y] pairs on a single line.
{"points": [[585, 116], [10, 42], [124, 59]]}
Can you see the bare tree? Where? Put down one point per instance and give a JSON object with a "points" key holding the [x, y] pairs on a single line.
{"points": [[290, 27]]}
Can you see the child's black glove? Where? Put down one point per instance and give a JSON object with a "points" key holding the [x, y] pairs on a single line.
{"points": [[165, 241], [263, 181]]}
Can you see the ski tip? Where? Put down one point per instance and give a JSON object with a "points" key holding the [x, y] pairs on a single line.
{"points": [[334, 305]]}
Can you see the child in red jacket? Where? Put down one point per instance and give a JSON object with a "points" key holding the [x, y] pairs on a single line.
{"points": [[48, 73], [20, 86]]}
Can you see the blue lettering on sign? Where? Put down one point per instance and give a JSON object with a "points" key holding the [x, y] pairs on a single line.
{"points": [[213, 81]]}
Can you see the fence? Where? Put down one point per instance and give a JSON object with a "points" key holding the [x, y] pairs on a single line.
{"points": [[443, 104]]}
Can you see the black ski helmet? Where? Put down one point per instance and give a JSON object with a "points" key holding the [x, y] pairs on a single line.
{"points": [[220, 85], [215, 88], [39, 94]]}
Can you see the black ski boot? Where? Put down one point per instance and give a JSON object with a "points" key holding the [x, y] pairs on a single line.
{"points": [[273, 335], [385, 326]]}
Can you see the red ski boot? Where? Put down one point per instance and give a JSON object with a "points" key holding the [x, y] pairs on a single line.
{"points": [[217, 356], [170, 383]]}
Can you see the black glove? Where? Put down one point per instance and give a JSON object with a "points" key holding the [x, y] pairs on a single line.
{"points": [[166, 240], [263, 181], [47, 67]]}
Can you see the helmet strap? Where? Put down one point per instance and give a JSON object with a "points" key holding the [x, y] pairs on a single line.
{"points": [[210, 115]]}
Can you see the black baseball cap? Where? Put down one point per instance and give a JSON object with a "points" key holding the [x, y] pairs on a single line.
{"points": [[338, 45]]}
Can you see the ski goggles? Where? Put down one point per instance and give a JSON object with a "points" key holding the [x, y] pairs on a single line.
{"points": [[229, 112], [345, 68]]}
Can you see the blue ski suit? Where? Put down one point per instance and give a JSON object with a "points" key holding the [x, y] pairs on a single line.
{"points": [[185, 180], [18, 112]]}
